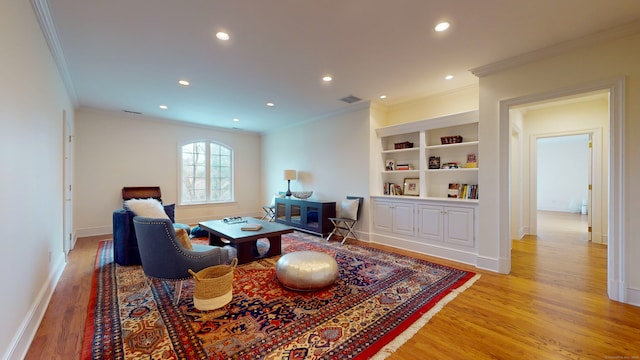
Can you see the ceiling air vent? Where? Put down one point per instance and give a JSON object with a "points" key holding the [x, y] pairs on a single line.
{"points": [[350, 99], [132, 112]]}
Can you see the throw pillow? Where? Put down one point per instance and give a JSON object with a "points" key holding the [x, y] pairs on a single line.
{"points": [[349, 209], [197, 232], [183, 238], [170, 210], [150, 208]]}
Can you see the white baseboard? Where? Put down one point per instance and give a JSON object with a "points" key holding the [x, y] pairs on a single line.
{"points": [[491, 264], [100, 230], [461, 256], [633, 296], [22, 339], [522, 232]]}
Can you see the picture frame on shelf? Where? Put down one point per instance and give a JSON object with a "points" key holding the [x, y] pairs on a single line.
{"points": [[434, 162], [411, 186], [389, 165], [472, 161]]}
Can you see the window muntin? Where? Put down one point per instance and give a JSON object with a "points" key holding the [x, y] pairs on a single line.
{"points": [[206, 173]]}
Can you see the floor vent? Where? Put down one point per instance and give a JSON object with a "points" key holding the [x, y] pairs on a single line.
{"points": [[350, 99]]}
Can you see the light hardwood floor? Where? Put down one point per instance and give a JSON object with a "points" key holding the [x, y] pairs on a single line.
{"points": [[553, 305]]}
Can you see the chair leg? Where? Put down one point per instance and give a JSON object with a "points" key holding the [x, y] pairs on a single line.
{"points": [[176, 299], [335, 227], [147, 285], [269, 214], [177, 288], [350, 231]]}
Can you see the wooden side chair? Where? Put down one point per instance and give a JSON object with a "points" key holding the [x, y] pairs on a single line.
{"points": [[349, 212]]}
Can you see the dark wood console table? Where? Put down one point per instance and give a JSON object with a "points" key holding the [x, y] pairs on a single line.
{"points": [[306, 215]]}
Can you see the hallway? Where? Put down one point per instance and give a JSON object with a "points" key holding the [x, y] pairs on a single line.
{"points": [[562, 226]]}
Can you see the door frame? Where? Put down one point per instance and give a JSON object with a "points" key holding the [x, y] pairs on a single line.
{"points": [[67, 191], [616, 282]]}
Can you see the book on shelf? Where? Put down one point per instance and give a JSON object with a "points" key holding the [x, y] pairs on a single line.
{"points": [[251, 227], [404, 167], [392, 189], [462, 191]]}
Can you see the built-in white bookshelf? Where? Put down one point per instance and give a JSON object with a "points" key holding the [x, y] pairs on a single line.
{"points": [[421, 141]]}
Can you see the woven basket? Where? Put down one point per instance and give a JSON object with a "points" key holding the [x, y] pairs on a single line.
{"points": [[214, 286]]}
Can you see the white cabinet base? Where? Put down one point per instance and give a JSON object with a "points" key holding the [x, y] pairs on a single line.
{"points": [[444, 228]]}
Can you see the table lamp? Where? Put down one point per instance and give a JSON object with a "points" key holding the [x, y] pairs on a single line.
{"points": [[289, 175]]}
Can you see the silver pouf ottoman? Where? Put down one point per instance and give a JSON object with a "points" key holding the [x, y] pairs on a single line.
{"points": [[306, 270]]}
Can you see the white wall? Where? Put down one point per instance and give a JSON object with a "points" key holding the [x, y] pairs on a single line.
{"points": [[32, 100], [330, 154], [116, 149], [435, 105], [577, 68]]}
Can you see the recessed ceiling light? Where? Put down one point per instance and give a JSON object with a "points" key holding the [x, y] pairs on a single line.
{"points": [[270, 104], [236, 119], [327, 78], [222, 35], [183, 82], [383, 96], [448, 77], [164, 107], [442, 26]]}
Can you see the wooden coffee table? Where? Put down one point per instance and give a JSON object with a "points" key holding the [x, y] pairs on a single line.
{"points": [[245, 240]]}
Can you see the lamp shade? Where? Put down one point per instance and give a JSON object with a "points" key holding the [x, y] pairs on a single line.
{"points": [[289, 174]]}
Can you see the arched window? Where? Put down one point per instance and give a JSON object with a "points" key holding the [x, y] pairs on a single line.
{"points": [[206, 173]]}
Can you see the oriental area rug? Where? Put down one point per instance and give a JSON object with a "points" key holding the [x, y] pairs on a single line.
{"points": [[379, 301]]}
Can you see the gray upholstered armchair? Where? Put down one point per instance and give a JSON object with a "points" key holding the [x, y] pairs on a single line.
{"points": [[163, 256]]}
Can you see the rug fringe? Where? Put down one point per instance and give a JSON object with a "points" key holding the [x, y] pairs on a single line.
{"points": [[394, 344]]}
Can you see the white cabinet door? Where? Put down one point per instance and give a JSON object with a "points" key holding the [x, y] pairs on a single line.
{"points": [[449, 224], [393, 217], [383, 216], [459, 225], [431, 222], [403, 219]]}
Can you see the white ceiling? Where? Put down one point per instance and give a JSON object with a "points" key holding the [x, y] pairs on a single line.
{"points": [[129, 55]]}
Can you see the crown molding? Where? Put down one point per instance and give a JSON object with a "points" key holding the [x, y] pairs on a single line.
{"points": [[596, 38], [41, 9]]}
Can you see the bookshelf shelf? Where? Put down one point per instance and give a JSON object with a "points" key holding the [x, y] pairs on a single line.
{"points": [[445, 146]]}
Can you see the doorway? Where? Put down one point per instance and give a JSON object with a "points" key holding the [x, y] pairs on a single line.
{"points": [[612, 199], [559, 153], [563, 186]]}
